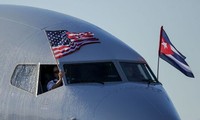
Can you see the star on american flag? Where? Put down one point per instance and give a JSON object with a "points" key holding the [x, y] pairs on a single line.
{"points": [[63, 42]]}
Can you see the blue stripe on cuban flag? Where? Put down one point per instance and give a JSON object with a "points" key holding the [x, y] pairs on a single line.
{"points": [[170, 54]]}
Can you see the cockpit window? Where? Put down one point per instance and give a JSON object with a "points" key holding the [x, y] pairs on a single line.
{"points": [[91, 72], [25, 77], [138, 72], [48, 78], [35, 78]]}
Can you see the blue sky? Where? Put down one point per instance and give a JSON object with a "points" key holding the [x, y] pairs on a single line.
{"points": [[137, 23]]}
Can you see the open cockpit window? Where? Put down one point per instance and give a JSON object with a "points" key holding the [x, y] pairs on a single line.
{"points": [[48, 78], [138, 72], [35, 78], [91, 72]]}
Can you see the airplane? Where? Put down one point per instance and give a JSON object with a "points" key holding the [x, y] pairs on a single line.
{"points": [[103, 80]]}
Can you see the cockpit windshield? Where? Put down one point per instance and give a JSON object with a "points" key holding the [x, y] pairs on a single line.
{"points": [[138, 72], [99, 72]]}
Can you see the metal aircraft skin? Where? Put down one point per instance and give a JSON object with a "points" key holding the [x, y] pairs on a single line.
{"points": [[25, 52]]}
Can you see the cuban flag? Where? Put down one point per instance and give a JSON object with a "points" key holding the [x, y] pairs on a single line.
{"points": [[170, 54]]}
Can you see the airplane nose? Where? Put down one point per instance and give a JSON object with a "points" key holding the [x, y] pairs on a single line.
{"points": [[139, 103]]}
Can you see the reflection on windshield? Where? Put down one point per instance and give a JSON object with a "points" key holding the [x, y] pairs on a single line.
{"points": [[91, 72], [137, 72]]}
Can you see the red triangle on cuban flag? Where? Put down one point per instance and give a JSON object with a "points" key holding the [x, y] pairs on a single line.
{"points": [[165, 47]]}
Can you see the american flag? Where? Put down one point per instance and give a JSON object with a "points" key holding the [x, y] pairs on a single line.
{"points": [[64, 42]]}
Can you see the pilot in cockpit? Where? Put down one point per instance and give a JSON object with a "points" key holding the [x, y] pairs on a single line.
{"points": [[56, 81]]}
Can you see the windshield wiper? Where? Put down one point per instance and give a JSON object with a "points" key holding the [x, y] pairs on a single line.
{"points": [[87, 81], [148, 81], [98, 81]]}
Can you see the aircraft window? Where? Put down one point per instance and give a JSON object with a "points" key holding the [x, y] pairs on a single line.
{"points": [[138, 72], [47, 74], [91, 72], [25, 77]]}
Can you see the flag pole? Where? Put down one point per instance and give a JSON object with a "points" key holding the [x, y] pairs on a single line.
{"points": [[158, 64], [158, 68]]}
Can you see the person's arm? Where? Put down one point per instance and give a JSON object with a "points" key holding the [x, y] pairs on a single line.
{"points": [[59, 82]]}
